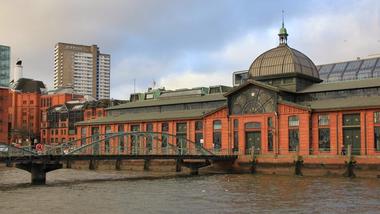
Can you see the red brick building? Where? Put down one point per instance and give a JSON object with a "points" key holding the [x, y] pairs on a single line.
{"points": [[58, 98], [58, 124], [28, 104], [24, 111], [284, 108], [4, 105]]}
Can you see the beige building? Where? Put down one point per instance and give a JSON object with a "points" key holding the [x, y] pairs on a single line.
{"points": [[84, 68]]}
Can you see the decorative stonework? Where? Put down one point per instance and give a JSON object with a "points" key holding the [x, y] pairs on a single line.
{"points": [[253, 100]]}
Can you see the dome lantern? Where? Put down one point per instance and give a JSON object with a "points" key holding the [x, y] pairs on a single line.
{"points": [[283, 34]]}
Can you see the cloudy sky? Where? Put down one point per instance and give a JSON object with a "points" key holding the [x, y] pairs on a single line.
{"points": [[185, 43]]}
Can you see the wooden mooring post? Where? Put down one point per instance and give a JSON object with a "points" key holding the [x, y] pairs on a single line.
{"points": [[178, 165], [118, 164], [146, 164], [253, 161], [92, 164], [298, 163], [350, 163]]}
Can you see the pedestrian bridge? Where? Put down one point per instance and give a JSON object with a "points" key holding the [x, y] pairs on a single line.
{"points": [[120, 146]]}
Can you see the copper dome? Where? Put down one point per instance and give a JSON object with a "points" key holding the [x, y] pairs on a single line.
{"points": [[281, 61]]}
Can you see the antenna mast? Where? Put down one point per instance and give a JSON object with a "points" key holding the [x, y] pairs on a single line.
{"points": [[134, 85]]}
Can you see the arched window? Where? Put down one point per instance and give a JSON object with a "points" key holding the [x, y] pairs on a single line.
{"points": [[236, 136], [181, 133], [293, 138], [108, 132], [217, 124], [376, 120], [198, 133], [149, 138], [323, 133], [217, 134], [270, 134], [120, 130], [293, 121], [164, 138]]}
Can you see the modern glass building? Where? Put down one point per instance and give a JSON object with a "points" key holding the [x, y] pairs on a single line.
{"points": [[5, 59]]}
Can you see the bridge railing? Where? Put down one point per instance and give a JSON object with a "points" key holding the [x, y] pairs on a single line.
{"points": [[131, 143], [68, 146], [9, 150]]}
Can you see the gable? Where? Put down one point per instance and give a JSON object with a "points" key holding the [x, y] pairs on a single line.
{"points": [[252, 99]]}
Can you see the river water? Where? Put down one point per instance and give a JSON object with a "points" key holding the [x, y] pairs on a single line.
{"points": [[81, 191]]}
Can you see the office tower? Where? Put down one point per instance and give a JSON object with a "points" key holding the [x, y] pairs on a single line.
{"points": [[84, 68], [5, 58]]}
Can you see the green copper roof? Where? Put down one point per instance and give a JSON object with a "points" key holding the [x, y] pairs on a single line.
{"points": [[152, 116], [171, 101], [353, 102], [342, 85], [283, 31]]}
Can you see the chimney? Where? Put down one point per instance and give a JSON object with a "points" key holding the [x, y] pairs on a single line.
{"points": [[17, 72]]}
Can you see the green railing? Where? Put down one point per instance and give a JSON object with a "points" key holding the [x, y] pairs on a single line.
{"points": [[131, 143], [9, 150]]}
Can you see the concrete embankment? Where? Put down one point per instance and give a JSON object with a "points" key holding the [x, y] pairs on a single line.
{"points": [[358, 166], [361, 167]]}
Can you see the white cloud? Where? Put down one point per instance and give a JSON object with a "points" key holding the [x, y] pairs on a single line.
{"points": [[191, 79], [334, 37], [183, 44]]}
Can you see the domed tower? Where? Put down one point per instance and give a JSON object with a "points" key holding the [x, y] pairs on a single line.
{"points": [[284, 66]]}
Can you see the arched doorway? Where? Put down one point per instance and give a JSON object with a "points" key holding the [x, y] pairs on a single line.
{"points": [[252, 137]]}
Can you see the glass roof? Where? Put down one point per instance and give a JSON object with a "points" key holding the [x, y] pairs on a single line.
{"points": [[325, 69], [351, 70], [77, 107], [354, 65]]}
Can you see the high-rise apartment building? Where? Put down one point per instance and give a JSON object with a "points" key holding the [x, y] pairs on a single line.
{"points": [[103, 77], [5, 58], [84, 68]]}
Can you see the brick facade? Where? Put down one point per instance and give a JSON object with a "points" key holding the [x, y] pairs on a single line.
{"points": [[308, 130], [4, 106], [62, 134], [24, 114]]}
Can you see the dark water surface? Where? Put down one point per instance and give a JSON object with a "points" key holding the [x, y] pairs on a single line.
{"points": [[74, 191]]}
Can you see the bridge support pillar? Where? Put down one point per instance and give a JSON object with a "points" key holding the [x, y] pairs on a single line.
{"points": [[178, 165], [146, 164], [194, 166], [92, 165], [194, 171], [350, 166], [8, 163], [38, 175], [118, 164], [38, 170], [68, 164], [253, 166]]}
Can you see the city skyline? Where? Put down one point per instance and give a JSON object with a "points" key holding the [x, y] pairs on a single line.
{"points": [[185, 44]]}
